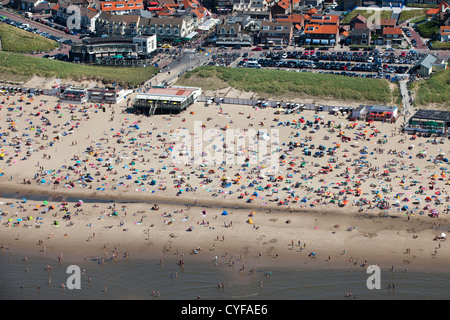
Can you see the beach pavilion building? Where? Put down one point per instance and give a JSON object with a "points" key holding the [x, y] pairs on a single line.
{"points": [[382, 113], [430, 122], [73, 94], [375, 113], [163, 100]]}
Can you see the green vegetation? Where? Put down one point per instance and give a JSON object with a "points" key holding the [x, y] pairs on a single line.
{"points": [[412, 14], [428, 29], [435, 90], [421, 5], [280, 83], [384, 14], [21, 41], [418, 19], [439, 45], [17, 67]]}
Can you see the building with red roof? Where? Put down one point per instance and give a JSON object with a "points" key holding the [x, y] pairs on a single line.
{"points": [[321, 34]]}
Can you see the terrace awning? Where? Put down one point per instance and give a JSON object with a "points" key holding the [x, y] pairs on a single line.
{"points": [[191, 35]]}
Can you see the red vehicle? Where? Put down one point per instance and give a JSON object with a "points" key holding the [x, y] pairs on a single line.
{"points": [[257, 49]]}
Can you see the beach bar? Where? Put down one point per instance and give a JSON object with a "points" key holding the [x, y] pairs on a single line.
{"points": [[429, 121], [73, 94], [382, 113], [162, 100], [111, 95]]}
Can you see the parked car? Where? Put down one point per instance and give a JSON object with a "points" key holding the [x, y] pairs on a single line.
{"points": [[257, 49]]}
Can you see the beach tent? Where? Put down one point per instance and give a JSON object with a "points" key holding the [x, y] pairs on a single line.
{"points": [[224, 213]]}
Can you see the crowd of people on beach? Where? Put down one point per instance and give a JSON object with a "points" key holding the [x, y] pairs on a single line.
{"points": [[324, 160]]}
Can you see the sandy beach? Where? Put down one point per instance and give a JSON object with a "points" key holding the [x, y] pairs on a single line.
{"points": [[379, 198]]}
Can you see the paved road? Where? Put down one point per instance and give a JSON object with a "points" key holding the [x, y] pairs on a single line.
{"points": [[38, 25], [420, 43]]}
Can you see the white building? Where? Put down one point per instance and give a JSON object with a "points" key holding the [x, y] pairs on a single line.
{"points": [[146, 44]]}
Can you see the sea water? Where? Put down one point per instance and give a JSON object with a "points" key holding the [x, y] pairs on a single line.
{"points": [[136, 278]]}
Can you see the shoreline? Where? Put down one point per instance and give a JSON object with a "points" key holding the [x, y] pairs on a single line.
{"points": [[270, 241]]}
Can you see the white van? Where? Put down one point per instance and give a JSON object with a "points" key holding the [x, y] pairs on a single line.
{"points": [[252, 64]]}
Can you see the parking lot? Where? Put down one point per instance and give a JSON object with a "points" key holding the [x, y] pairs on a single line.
{"points": [[367, 64]]}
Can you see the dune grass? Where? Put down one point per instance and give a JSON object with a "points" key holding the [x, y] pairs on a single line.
{"points": [[279, 83], [21, 41], [412, 14], [18, 67], [435, 90]]}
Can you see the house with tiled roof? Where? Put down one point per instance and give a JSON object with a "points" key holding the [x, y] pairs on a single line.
{"points": [[297, 20], [444, 33], [122, 6], [324, 19], [392, 36], [284, 7], [357, 19], [434, 13], [321, 34], [360, 36], [279, 33]]}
